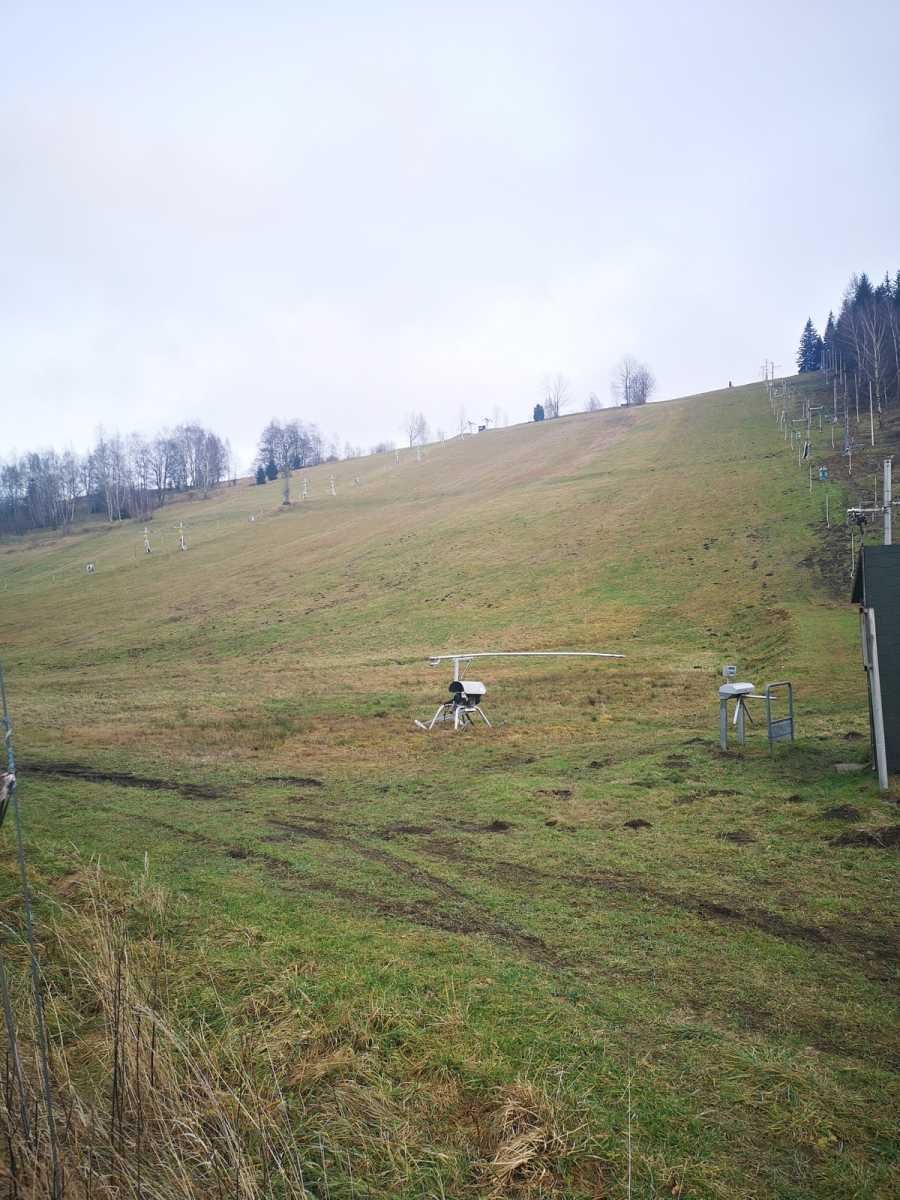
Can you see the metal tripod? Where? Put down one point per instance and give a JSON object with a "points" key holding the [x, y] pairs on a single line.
{"points": [[460, 712]]}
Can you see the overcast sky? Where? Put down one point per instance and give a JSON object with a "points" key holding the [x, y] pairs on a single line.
{"points": [[341, 212]]}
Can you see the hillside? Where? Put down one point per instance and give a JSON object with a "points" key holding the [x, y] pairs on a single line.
{"points": [[471, 968]]}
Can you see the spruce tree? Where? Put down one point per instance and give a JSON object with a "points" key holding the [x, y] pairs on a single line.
{"points": [[810, 349], [828, 342], [271, 470], [260, 475], [538, 413], [864, 291]]}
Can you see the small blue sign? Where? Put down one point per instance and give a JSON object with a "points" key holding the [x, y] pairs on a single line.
{"points": [[823, 474]]}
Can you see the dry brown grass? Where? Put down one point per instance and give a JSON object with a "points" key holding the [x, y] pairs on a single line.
{"points": [[264, 1104], [144, 1106], [529, 1142]]}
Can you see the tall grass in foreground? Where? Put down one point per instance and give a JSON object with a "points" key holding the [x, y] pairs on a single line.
{"points": [[255, 1101], [147, 1107]]}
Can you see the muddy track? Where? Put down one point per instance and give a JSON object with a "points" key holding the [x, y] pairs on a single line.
{"points": [[840, 938], [194, 791], [468, 916], [295, 780], [318, 827], [471, 917], [64, 770]]}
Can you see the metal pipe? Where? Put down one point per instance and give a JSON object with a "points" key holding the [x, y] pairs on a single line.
{"points": [[875, 692], [436, 658], [886, 498]]}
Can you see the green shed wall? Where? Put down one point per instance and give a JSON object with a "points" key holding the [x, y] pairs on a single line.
{"points": [[877, 586]]}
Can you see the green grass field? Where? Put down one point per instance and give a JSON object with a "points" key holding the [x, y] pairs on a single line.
{"points": [[471, 976]]}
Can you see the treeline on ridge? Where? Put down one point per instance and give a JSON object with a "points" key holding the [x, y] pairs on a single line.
{"points": [[863, 343], [120, 477]]}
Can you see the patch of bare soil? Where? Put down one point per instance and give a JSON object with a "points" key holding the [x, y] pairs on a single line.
{"points": [[296, 780], [557, 793], [841, 812], [704, 794], [64, 770], [738, 837], [390, 831], [505, 762], [495, 826], [881, 839], [638, 823]]}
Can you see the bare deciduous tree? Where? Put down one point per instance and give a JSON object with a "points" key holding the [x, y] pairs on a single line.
{"points": [[644, 384], [121, 477], [633, 382], [416, 428], [556, 394]]}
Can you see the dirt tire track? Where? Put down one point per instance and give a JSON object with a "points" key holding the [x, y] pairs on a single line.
{"points": [[325, 830], [65, 770], [472, 919], [834, 938], [425, 915], [829, 938]]}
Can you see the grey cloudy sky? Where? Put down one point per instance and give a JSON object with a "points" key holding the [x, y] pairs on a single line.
{"points": [[341, 212]]}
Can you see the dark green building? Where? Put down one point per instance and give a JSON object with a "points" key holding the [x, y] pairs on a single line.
{"points": [[876, 589]]}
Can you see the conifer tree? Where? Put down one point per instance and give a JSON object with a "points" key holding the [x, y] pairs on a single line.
{"points": [[828, 342], [864, 292], [809, 352]]}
